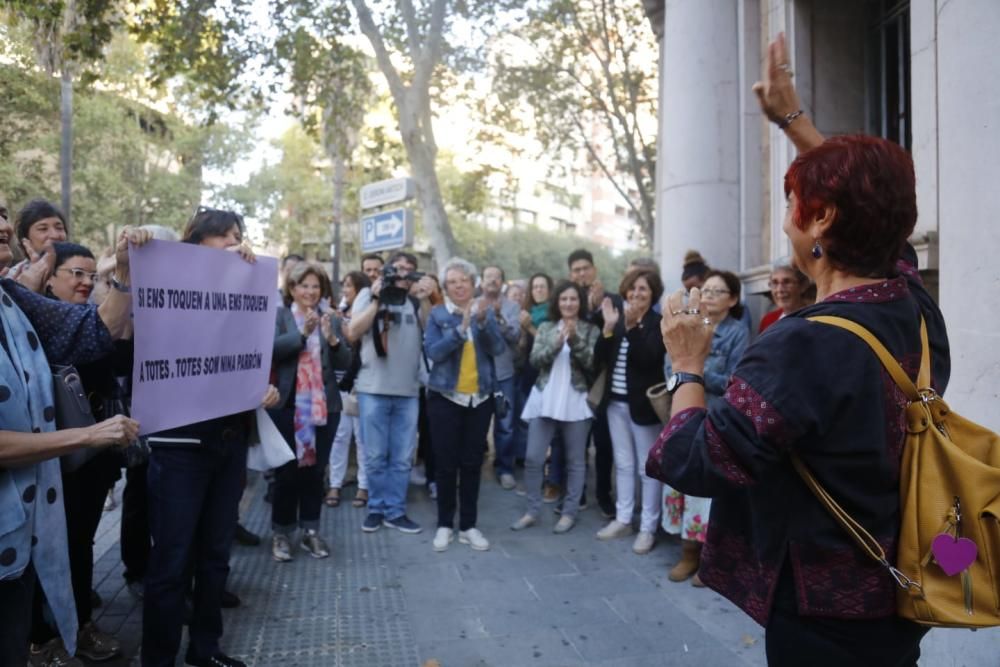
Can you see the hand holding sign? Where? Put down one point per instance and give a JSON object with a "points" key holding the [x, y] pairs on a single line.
{"points": [[271, 398], [119, 431]]}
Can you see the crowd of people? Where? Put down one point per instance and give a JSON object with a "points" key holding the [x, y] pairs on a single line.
{"points": [[414, 369]]}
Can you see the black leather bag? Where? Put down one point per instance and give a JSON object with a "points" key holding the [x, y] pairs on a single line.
{"points": [[72, 411]]}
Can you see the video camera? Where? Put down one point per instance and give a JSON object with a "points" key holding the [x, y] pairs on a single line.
{"points": [[392, 294]]}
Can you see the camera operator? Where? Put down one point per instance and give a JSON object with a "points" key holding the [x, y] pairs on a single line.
{"points": [[388, 320]]}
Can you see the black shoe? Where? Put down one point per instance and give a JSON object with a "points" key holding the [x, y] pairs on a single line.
{"points": [[136, 588], [403, 524], [607, 507], [217, 660], [230, 601], [245, 537], [372, 522], [95, 599]]}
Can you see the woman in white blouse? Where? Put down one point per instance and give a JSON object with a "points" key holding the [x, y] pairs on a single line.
{"points": [[563, 353]]}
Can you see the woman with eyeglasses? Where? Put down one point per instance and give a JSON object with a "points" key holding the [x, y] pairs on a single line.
{"points": [[791, 290], [721, 309], [84, 489]]}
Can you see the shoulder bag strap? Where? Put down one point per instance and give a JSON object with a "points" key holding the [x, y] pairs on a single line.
{"points": [[891, 365], [855, 530]]}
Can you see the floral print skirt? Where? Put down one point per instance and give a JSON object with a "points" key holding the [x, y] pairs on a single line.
{"points": [[685, 515]]}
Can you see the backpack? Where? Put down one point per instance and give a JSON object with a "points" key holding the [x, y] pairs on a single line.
{"points": [[948, 560]]}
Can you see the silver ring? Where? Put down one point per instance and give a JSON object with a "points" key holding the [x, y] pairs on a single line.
{"points": [[707, 322], [692, 311], [675, 313]]}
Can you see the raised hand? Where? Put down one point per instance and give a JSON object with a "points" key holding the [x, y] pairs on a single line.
{"points": [[775, 92], [245, 251], [525, 319], [326, 327], [632, 315], [39, 267], [310, 323], [610, 314], [595, 293], [134, 235], [569, 329], [687, 333]]}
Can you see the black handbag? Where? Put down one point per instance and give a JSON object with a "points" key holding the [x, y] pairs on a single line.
{"points": [[72, 411]]}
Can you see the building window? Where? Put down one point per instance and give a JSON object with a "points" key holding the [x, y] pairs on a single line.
{"points": [[565, 226], [889, 109], [525, 216]]}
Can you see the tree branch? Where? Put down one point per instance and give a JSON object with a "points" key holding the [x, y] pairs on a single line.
{"points": [[371, 31], [430, 55], [412, 30]]}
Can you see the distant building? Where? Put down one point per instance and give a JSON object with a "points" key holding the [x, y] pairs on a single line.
{"points": [[920, 72]]}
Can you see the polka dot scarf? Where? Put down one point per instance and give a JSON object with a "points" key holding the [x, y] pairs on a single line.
{"points": [[32, 518]]}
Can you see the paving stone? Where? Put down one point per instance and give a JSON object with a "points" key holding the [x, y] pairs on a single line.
{"points": [[541, 649]]}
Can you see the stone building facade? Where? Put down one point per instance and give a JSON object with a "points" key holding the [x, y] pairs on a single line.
{"points": [[921, 72]]}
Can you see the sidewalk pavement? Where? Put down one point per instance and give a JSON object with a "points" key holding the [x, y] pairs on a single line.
{"points": [[534, 599]]}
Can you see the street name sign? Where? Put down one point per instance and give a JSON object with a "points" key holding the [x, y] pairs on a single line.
{"points": [[387, 230], [387, 192]]}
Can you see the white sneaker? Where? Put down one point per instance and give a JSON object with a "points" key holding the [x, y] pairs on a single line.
{"points": [[507, 481], [525, 521], [474, 539], [643, 543], [442, 538], [564, 524], [614, 530]]}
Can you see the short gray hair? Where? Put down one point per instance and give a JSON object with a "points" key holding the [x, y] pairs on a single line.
{"points": [[459, 264]]}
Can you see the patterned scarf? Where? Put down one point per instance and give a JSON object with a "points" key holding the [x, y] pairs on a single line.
{"points": [[310, 394], [32, 516]]}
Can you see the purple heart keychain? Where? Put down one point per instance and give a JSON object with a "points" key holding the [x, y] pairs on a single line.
{"points": [[953, 555]]}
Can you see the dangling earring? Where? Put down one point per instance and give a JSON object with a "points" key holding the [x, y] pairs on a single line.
{"points": [[817, 250]]}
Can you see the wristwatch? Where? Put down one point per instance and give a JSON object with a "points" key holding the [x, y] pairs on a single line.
{"points": [[677, 379]]}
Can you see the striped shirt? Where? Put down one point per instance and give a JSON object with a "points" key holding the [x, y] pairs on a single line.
{"points": [[619, 386]]}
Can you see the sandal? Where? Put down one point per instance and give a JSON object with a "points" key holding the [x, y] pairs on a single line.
{"points": [[361, 499], [332, 498]]}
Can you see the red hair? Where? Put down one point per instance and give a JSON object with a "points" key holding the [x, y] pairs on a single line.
{"points": [[870, 184]]}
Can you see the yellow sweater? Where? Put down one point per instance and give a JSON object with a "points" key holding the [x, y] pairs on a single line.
{"points": [[468, 373]]}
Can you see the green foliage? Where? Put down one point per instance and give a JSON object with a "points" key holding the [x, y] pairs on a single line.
{"points": [[292, 197], [581, 76], [132, 164], [527, 250]]}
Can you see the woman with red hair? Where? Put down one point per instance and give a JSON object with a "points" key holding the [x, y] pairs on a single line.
{"points": [[818, 392]]}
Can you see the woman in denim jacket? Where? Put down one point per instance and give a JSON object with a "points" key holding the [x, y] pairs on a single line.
{"points": [[688, 515], [563, 353], [462, 340]]}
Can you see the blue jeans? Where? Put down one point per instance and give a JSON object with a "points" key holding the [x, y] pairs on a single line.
{"points": [[503, 432], [389, 431], [194, 495]]}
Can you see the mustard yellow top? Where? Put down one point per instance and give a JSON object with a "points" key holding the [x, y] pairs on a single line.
{"points": [[468, 373]]}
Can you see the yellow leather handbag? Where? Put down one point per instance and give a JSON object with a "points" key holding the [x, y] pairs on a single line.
{"points": [[948, 561]]}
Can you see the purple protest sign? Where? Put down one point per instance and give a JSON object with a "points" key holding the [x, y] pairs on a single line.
{"points": [[204, 331]]}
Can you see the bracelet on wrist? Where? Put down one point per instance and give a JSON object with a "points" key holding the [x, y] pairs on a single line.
{"points": [[121, 287], [788, 118]]}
